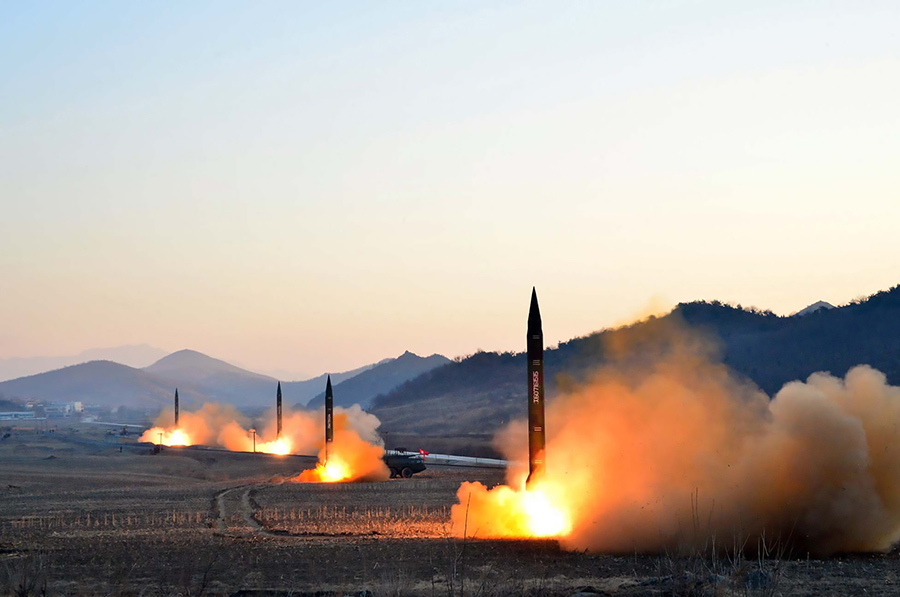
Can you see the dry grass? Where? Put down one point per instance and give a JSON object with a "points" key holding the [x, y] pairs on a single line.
{"points": [[402, 521], [91, 524]]}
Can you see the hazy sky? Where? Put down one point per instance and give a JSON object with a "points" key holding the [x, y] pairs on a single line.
{"points": [[312, 186]]}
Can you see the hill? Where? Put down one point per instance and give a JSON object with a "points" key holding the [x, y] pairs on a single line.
{"points": [[224, 382], [98, 382], [199, 378], [218, 380], [816, 306], [782, 349], [133, 356], [301, 392], [462, 404], [385, 376]]}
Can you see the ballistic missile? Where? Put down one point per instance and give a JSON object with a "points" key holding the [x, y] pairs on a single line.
{"points": [[176, 407], [329, 417], [536, 432], [278, 410]]}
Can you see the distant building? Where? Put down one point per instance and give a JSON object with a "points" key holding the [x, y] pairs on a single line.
{"points": [[55, 412], [16, 415]]}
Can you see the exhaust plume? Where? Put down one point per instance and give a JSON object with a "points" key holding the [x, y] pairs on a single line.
{"points": [[666, 449], [353, 455], [301, 433], [199, 427]]}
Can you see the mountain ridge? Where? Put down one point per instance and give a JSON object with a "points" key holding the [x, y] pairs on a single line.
{"points": [[199, 377], [97, 382], [389, 373], [132, 355], [475, 395], [816, 306]]}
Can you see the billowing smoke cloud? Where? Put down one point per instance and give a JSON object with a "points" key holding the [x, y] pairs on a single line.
{"points": [[356, 441], [202, 426], [350, 458], [304, 431], [667, 450]]}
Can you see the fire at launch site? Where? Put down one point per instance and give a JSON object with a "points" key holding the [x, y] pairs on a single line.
{"points": [[350, 449], [661, 448]]}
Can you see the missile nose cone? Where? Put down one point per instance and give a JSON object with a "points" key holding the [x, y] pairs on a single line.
{"points": [[328, 386], [279, 389], [176, 392], [534, 314]]}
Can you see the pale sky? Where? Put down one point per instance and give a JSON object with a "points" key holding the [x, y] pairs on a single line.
{"points": [[312, 186]]}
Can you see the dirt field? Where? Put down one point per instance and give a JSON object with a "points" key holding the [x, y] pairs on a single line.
{"points": [[86, 519]]}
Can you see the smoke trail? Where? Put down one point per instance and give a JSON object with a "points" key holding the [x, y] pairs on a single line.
{"points": [[666, 449]]}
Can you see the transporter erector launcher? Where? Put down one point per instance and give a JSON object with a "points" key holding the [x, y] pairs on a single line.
{"points": [[329, 417], [536, 432], [278, 411], [176, 407]]}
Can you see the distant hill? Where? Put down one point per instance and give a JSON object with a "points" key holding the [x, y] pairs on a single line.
{"points": [[224, 382], [301, 392], [773, 350], [814, 307], [385, 376], [98, 382], [467, 401], [218, 380], [133, 356], [198, 377]]}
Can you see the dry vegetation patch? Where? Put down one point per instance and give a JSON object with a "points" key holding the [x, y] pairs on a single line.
{"points": [[90, 522]]}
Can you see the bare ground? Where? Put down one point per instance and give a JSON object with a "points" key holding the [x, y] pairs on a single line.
{"points": [[87, 519]]}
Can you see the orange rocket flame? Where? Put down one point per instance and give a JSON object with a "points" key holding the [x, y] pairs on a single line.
{"points": [[356, 455], [544, 519], [333, 471], [650, 442], [504, 512], [167, 437], [199, 427], [235, 437], [350, 458], [280, 446]]}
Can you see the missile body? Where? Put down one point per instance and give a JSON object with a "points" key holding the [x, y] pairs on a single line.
{"points": [[278, 410], [176, 407], [329, 417], [536, 432]]}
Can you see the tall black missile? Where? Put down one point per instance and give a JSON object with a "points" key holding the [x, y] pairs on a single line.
{"points": [[278, 410], [329, 417], [176, 407], [536, 432]]}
